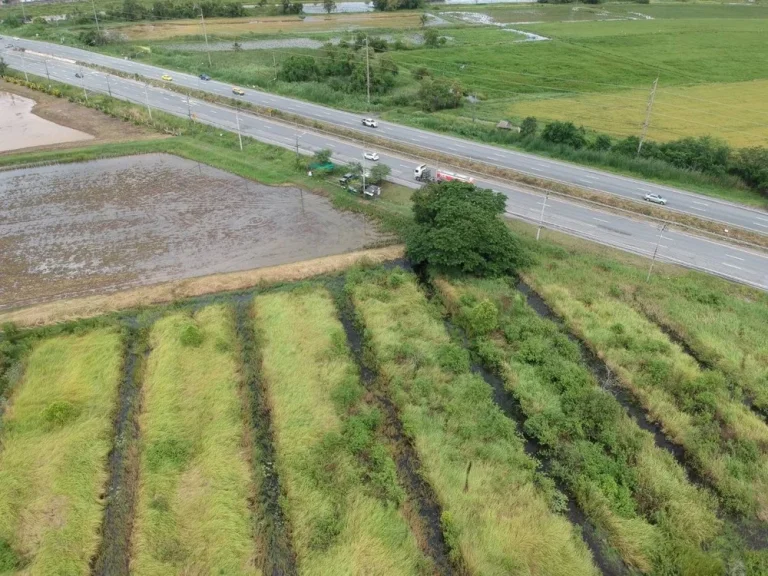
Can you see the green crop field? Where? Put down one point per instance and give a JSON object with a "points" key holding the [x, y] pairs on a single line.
{"points": [[54, 439]]}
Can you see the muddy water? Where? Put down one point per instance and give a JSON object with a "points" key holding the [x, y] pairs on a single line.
{"points": [[20, 128], [76, 229]]}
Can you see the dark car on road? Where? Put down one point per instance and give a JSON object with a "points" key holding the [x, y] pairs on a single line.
{"points": [[204, 77]]}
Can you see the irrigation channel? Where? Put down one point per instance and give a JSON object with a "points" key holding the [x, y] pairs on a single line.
{"points": [[280, 559], [608, 564], [418, 490], [113, 555]]}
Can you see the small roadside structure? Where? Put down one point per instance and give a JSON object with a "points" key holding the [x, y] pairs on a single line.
{"points": [[507, 125]]}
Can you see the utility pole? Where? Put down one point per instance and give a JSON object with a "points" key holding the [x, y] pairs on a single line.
{"points": [[46, 72], [95, 17], [82, 81], [109, 87], [189, 107], [367, 72], [655, 251], [541, 217], [240, 137], [647, 115], [207, 48], [24, 63], [146, 97], [274, 65], [23, 11]]}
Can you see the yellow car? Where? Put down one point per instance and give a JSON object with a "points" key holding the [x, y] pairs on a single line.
{"points": [[167, 78], [238, 91]]}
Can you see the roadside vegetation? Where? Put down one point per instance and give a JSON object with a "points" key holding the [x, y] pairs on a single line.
{"points": [[449, 413], [54, 441], [632, 490], [341, 491], [194, 480]]}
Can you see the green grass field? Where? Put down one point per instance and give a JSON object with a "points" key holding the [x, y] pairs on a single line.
{"points": [[193, 514], [450, 415], [342, 495], [54, 440]]}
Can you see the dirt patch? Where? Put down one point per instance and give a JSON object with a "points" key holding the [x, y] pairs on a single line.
{"points": [[99, 126], [74, 229], [88, 307]]}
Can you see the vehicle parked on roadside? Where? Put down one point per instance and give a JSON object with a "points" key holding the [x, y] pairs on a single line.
{"points": [[373, 156], [370, 122], [167, 77], [655, 198], [346, 178]]}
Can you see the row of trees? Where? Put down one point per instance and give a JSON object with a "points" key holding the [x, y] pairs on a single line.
{"points": [[702, 154]]}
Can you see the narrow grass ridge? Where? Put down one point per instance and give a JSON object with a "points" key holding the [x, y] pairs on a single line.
{"points": [[499, 513], [195, 486], [341, 490], [56, 436], [635, 492]]}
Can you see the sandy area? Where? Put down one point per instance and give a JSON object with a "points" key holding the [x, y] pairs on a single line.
{"points": [[74, 229], [20, 128]]}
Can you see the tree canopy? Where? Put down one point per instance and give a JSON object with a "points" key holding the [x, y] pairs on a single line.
{"points": [[458, 229]]}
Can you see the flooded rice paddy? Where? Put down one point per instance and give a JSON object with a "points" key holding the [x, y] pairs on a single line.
{"points": [[20, 128], [77, 229]]}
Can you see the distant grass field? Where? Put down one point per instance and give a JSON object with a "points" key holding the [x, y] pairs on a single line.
{"points": [[54, 441], [453, 421], [342, 495], [193, 514]]}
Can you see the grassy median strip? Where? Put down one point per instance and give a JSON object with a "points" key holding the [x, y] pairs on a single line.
{"points": [[55, 439], [193, 514], [342, 495], [633, 491], [499, 512], [723, 439]]}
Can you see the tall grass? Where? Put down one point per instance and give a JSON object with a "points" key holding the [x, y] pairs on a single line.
{"points": [[194, 486], [342, 495], [723, 439], [56, 435], [500, 516], [632, 490]]}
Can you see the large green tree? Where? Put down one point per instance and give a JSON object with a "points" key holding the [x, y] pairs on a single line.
{"points": [[459, 229]]}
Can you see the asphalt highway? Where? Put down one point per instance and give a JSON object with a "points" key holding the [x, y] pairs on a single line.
{"points": [[729, 214], [637, 236]]}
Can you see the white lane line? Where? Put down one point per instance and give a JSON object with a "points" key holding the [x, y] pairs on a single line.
{"points": [[644, 190], [404, 166], [600, 220], [536, 169], [763, 225], [731, 266], [734, 257], [763, 219], [331, 145], [700, 203], [699, 209]]}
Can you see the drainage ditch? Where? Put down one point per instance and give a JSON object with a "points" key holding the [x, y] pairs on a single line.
{"points": [[419, 492], [113, 555], [279, 558]]}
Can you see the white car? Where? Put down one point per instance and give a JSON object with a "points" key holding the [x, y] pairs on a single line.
{"points": [[370, 122], [656, 199], [371, 156]]}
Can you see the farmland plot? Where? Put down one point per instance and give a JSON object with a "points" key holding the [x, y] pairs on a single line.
{"points": [[56, 434], [195, 483], [342, 496], [497, 514]]}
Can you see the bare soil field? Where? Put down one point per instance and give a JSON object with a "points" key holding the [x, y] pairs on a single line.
{"points": [[99, 126], [78, 229]]}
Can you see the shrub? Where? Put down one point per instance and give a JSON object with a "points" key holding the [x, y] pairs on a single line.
{"points": [[483, 318], [453, 358], [421, 72], [439, 94], [565, 133], [60, 413], [191, 336], [528, 127], [298, 69]]}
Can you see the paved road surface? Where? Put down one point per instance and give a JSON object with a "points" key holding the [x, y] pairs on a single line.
{"points": [[729, 214], [632, 235]]}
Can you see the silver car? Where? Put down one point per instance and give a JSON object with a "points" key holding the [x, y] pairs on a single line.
{"points": [[656, 199]]}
